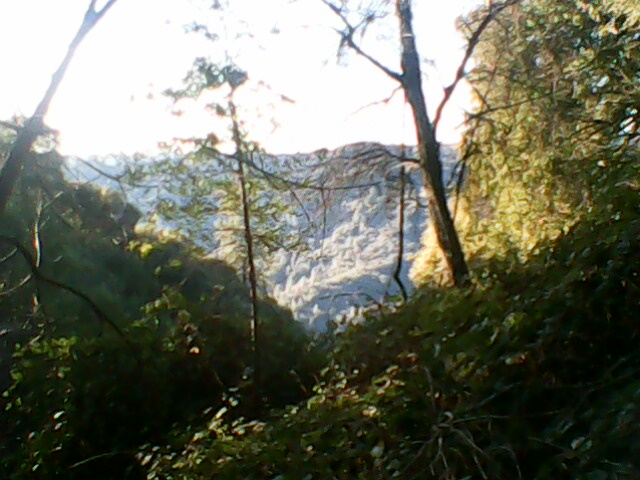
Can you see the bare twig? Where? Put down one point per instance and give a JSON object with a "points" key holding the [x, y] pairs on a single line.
{"points": [[384, 101], [118, 178], [37, 246], [287, 181], [324, 221], [9, 255], [10, 125], [17, 287], [347, 39], [98, 457], [400, 258]]}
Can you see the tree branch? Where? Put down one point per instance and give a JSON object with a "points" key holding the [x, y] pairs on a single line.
{"points": [[287, 181], [347, 39], [494, 11], [10, 126], [400, 258], [39, 276], [35, 125], [384, 101]]}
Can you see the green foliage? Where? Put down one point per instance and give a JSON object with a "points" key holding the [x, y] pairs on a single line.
{"points": [[84, 405], [554, 128], [80, 399], [201, 183], [534, 373], [81, 243]]}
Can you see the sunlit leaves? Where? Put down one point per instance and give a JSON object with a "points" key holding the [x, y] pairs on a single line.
{"points": [[553, 106]]}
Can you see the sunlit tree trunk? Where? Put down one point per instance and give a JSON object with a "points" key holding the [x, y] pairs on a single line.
{"points": [[429, 150], [248, 237]]}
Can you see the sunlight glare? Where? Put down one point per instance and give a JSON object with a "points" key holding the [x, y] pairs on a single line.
{"points": [[110, 100]]}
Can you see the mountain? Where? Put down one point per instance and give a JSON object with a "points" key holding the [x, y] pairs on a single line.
{"points": [[352, 258], [346, 210]]}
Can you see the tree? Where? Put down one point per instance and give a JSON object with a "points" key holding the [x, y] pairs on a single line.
{"points": [[248, 239], [410, 81], [554, 129], [236, 193], [34, 127], [429, 149]]}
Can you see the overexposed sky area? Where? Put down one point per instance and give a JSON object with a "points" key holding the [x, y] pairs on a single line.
{"points": [[110, 100]]}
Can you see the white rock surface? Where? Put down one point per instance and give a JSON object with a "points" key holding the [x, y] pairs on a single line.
{"points": [[350, 226]]}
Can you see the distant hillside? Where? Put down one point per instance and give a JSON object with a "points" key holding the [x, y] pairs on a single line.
{"points": [[352, 257], [348, 213]]}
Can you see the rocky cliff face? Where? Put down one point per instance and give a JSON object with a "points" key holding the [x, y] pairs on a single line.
{"points": [[352, 253], [347, 212], [352, 250]]}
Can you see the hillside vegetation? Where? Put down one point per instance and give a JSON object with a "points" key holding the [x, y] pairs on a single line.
{"points": [[118, 336], [532, 373]]}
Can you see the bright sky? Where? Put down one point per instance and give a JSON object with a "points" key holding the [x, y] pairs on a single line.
{"points": [[110, 101]]}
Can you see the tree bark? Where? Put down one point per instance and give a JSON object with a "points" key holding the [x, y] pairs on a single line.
{"points": [[248, 237], [429, 150]]}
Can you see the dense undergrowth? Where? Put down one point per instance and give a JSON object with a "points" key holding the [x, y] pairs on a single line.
{"points": [[150, 335], [532, 373]]}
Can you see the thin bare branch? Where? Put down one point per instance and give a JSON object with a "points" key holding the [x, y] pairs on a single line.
{"points": [[10, 125], [494, 11], [401, 207], [9, 255], [347, 39], [119, 178], [41, 277], [384, 101], [15, 288], [287, 181]]}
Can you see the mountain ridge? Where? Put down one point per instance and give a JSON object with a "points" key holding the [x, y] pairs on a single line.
{"points": [[351, 236]]}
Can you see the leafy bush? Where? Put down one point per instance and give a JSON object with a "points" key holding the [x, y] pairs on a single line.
{"points": [[533, 374], [82, 406]]}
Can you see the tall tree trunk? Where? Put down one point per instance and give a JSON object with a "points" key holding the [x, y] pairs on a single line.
{"points": [[429, 150], [248, 237]]}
